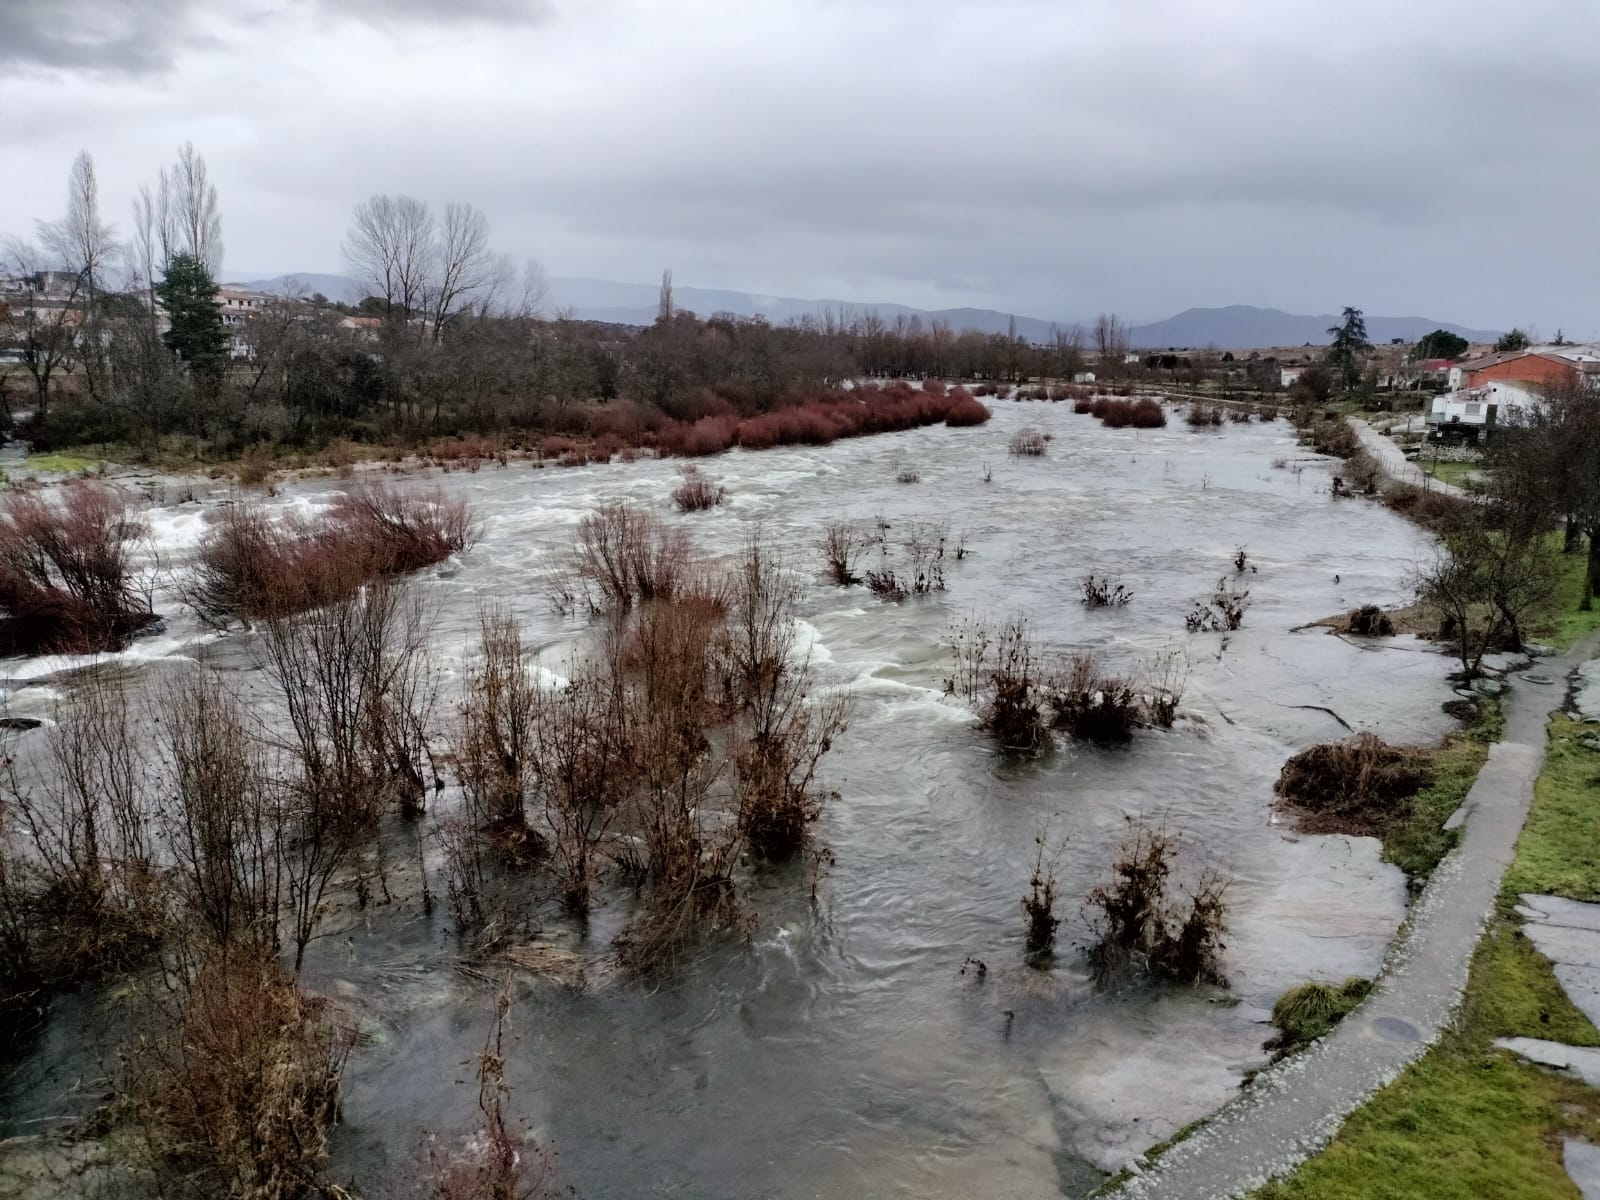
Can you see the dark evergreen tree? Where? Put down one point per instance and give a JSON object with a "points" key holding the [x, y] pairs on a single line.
{"points": [[1349, 347], [189, 295], [1513, 341], [1441, 343]]}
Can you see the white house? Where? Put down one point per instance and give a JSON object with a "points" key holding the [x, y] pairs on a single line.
{"points": [[1288, 375], [1083, 377], [1464, 416]]}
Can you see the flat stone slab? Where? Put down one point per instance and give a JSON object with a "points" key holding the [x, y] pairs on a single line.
{"points": [[1582, 1162], [1565, 943], [1558, 910], [1582, 1061], [1586, 693], [1582, 986]]}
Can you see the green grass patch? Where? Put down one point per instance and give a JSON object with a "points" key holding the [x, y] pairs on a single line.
{"points": [[1566, 624], [59, 464], [1307, 1011], [1468, 1121], [1461, 474], [1559, 851], [1417, 841]]}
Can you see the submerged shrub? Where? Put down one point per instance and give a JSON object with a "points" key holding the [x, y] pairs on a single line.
{"points": [[1223, 613], [918, 569], [1027, 442], [250, 566], [495, 1163], [1202, 416], [622, 555], [1115, 414], [1147, 413], [1142, 920], [965, 410], [1092, 705], [1039, 905], [1013, 690], [697, 492], [66, 572], [237, 1095], [1104, 592], [842, 545]]}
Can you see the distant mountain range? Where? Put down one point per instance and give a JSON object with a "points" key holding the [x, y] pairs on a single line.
{"points": [[1236, 327]]}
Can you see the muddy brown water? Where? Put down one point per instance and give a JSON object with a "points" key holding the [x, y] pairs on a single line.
{"points": [[841, 1050]]}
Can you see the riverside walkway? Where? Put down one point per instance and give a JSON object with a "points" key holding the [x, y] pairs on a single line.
{"points": [[1394, 462], [1293, 1109]]}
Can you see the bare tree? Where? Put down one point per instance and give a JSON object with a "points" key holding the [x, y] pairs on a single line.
{"points": [[464, 268], [187, 203], [390, 247], [62, 276], [1110, 339], [81, 242], [1067, 345]]}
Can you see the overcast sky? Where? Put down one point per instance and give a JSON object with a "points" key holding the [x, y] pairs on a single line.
{"points": [[1055, 158]]}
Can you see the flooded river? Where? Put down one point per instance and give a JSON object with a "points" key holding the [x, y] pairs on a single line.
{"points": [[842, 1051]]}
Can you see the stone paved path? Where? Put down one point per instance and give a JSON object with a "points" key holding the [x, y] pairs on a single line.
{"points": [[1293, 1109]]}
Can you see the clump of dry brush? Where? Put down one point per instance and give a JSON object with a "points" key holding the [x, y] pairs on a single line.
{"points": [[1104, 591], [251, 566], [1028, 442], [1145, 919], [688, 740], [1021, 696], [1039, 905], [233, 1083], [697, 491], [1222, 612], [1361, 785], [910, 563], [498, 1162]]}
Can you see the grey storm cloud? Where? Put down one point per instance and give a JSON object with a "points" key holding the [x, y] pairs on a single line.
{"points": [[122, 36], [440, 12], [1054, 157]]}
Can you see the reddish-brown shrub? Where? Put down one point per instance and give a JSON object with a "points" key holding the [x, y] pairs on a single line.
{"points": [[605, 447], [1146, 413], [934, 387], [966, 410], [251, 567], [1116, 414], [708, 435], [66, 575], [557, 447]]}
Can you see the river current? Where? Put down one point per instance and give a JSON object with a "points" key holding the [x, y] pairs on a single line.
{"points": [[842, 1050]]}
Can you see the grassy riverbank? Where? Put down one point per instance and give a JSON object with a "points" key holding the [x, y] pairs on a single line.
{"points": [[1469, 1121]]}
